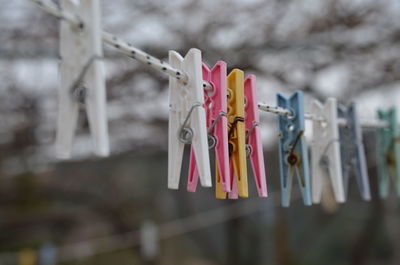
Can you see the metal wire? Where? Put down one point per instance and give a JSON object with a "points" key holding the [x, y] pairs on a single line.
{"points": [[275, 110], [53, 9], [309, 116], [116, 42], [133, 52]]}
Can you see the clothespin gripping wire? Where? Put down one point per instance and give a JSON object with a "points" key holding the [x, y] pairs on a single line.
{"points": [[127, 48], [122, 46]]}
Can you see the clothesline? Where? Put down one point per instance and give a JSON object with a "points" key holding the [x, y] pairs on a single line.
{"points": [[112, 40], [287, 113], [135, 53]]}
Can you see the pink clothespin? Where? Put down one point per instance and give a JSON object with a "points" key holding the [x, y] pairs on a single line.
{"points": [[254, 148], [215, 103], [253, 136]]}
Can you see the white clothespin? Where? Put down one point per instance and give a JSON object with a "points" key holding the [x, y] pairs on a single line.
{"points": [[325, 151], [187, 118], [82, 78]]}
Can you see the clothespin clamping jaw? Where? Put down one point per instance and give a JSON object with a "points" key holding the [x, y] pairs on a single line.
{"points": [[388, 151], [82, 78], [254, 148], [237, 139], [352, 151], [187, 118], [292, 148], [325, 151], [217, 126]]}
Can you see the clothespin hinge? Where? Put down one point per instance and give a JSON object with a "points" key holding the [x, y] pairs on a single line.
{"points": [[293, 158], [235, 121], [78, 90], [186, 133], [211, 139], [248, 148]]}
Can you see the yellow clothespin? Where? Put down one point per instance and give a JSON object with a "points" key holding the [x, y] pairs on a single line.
{"points": [[237, 139], [27, 257]]}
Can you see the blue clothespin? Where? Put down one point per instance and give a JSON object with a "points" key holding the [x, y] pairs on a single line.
{"points": [[293, 156], [352, 151]]}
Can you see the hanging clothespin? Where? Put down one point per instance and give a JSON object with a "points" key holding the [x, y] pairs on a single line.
{"points": [[217, 126], [82, 78], [352, 151], [388, 152], [325, 151], [254, 146], [237, 139], [292, 148], [187, 118]]}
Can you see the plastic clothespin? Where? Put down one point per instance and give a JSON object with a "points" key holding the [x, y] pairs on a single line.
{"points": [[237, 139], [292, 148], [254, 146], [388, 151], [187, 118], [325, 151], [82, 78], [352, 151], [216, 108]]}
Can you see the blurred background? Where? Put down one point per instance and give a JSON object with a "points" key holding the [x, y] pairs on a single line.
{"points": [[118, 209]]}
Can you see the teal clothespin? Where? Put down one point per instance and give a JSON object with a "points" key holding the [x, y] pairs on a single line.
{"points": [[388, 151], [293, 155]]}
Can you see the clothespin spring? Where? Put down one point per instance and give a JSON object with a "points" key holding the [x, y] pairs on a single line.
{"points": [[78, 90], [293, 159], [211, 139], [231, 131], [186, 133], [248, 148], [324, 161]]}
